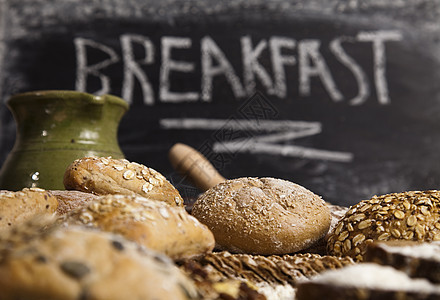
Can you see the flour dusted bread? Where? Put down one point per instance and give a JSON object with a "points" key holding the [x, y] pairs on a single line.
{"points": [[263, 215], [366, 281], [101, 176], [154, 224], [17, 207], [417, 259], [336, 212], [411, 216], [48, 261]]}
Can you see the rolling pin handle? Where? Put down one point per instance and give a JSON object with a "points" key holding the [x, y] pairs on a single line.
{"points": [[191, 163]]}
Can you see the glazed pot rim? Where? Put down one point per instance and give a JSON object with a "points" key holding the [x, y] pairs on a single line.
{"points": [[67, 94]]}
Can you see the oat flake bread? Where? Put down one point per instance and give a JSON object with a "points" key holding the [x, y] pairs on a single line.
{"points": [[410, 216], [262, 215], [62, 263], [101, 176], [154, 224], [16, 207]]}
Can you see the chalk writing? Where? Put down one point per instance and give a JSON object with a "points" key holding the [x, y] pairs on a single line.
{"points": [[132, 68], [276, 44], [350, 63], [214, 63], [169, 65], [378, 38], [84, 70]]}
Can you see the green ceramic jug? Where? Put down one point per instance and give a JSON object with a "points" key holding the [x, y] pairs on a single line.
{"points": [[53, 129]]}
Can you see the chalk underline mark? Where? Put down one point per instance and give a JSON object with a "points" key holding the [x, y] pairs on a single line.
{"points": [[275, 131]]}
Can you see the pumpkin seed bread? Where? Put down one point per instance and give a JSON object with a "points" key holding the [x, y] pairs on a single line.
{"points": [[45, 260], [102, 176], [154, 224], [262, 215], [17, 207], [412, 216]]}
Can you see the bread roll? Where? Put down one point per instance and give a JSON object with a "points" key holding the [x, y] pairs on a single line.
{"points": [[263, 215], [102, 176], [320, 247], [48, 261], [154, 224], [17, 207], [417, 259], [70, 200], [366, 281], [399, 216]]}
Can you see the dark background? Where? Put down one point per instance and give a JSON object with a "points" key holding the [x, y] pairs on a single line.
{"points": [[393, 146]]}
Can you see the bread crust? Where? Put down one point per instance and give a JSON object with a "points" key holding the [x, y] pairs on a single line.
{"points": [[17, 207], [320, 247], [263, 215], [154, 224], [102, 176], [70, 200], [273, 269], [56, 262]]}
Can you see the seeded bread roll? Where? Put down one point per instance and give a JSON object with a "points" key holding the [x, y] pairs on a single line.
{"points": [[399, 216], [417, 259], [48, 261], [16, 207], [102, 176], [154, 224], [366, 281], [263, 216], [70, 200]]}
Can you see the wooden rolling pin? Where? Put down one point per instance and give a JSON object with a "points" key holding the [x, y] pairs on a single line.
{"points": [[191, 163]]}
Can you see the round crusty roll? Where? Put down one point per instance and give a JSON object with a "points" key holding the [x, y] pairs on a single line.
{"points": [[105, 175], [17, 207], [154, 224], [336, 212], [262, 215], [412, 216], [44, 260]]}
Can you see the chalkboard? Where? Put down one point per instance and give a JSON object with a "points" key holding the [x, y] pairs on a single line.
{"points": [[341, 97]]}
